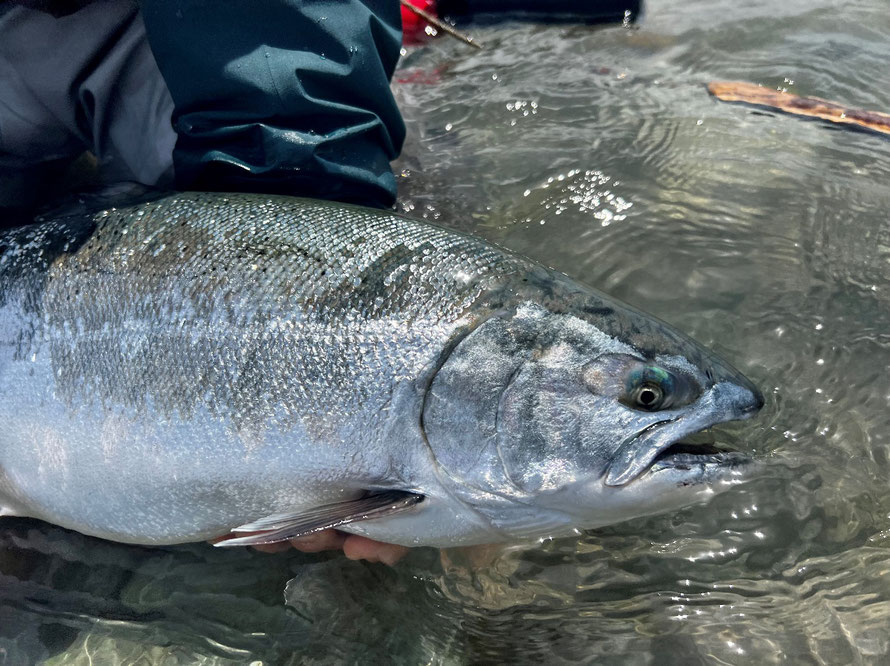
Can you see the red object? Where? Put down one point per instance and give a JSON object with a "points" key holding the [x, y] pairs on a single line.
{"points": [[414, 27]]}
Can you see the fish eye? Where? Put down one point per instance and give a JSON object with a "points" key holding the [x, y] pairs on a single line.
{"points": [[650, 388], [648, 396], [642, 385]]}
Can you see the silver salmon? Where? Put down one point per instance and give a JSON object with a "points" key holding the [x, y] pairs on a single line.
{"points": [[266, 367]]}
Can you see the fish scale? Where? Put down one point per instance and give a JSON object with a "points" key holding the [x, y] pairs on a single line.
{"points": [[177, 368], [304, 309]]}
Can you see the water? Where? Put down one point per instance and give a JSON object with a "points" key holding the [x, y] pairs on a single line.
{"points": [[599, 152]]}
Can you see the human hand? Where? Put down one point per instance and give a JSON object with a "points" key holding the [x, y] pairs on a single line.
{"points": [[355, 547]]}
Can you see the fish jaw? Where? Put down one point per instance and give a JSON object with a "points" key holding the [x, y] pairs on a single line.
{"points": [[672, 482]]}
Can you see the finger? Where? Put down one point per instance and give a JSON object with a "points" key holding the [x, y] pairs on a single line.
{"points": [[361, 548], [314, 543]]}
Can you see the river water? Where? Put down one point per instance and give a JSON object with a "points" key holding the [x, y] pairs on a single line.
{"points": [[599, 152]]}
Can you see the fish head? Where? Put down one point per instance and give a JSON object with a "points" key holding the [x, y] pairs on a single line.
{"points": [[583, 415]]}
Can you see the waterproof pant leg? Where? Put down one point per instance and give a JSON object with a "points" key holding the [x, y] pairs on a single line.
{"points": [[282, 96]]}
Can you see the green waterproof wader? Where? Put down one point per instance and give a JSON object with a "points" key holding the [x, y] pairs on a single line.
{"points": [[288, 96]]}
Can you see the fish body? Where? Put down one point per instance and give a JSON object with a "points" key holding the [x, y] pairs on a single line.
{"points": [[175, 369]]}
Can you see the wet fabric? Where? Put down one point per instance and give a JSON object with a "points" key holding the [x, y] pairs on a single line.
{"points": [[285, 96], [96, 88]]}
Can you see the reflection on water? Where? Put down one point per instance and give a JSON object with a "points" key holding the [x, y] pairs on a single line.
{"points": [[598, 151]]}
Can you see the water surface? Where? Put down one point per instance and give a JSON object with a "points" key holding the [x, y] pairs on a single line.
{"points": [[599, 152]]}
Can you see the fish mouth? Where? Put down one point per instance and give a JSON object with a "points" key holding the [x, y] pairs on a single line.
{"points": [[693, 452], [682, 439]]}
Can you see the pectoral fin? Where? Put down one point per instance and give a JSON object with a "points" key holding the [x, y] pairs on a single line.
{"points": [[284, 526]]}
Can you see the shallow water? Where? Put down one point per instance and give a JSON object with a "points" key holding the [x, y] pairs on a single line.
{"points": [[599, 152]]}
